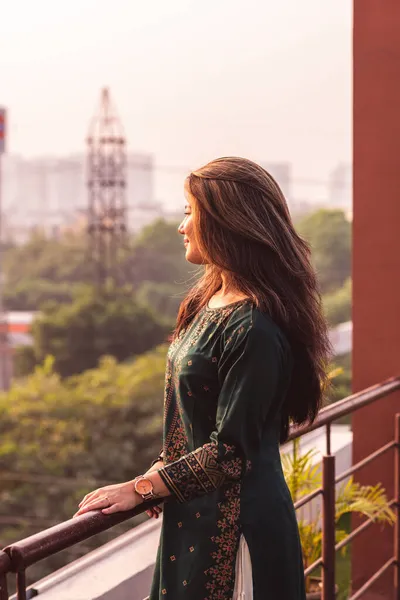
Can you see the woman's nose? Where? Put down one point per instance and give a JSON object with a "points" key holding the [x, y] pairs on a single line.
{"points": [[181, 229]]}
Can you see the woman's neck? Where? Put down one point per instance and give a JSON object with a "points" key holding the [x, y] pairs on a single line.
{"points": [[227, 294]]}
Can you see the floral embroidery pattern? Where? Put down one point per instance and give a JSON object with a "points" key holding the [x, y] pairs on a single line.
{"points": [[221, 575], [202, 471], [192, 473]]}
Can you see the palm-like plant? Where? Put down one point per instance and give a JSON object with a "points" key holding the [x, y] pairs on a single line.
{"points": [[303, 477]]}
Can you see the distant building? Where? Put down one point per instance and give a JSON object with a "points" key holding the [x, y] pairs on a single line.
{"points": [[340, 187], [282, 173], [50, 193], [141, 216], [17, 327]]}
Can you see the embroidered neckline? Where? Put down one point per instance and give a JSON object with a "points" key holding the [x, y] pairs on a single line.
{"points": [[226, 306]]}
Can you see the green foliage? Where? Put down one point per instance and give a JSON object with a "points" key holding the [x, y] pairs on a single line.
{"points": [[24, 361], [303, 477], [337, 304], [341, 385], [157, 255], [32, 294], [41, 258], [329, 234], [162, 298], [78, 334], [54, 269], [61, 438]]}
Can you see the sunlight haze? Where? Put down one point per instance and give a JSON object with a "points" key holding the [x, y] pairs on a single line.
{"points": [[263, 79]]}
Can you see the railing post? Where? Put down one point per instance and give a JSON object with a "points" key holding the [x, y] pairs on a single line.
{"points": [[3, 587], [328, 438], [397, 508], [21, 585], [328, 528], [5, 565]]}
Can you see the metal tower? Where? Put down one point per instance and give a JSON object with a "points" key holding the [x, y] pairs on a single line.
{"points": [[106, 190]]}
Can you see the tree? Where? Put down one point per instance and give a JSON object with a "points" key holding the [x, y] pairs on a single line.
{"points": [[61, 438], [32, 294], [329, 234], [45, 268], [78, 334], [158, 255], [337, 305], [41, 258], [161, 298]]}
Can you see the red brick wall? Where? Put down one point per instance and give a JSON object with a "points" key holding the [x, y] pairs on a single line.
{"points": [[376, 256]]}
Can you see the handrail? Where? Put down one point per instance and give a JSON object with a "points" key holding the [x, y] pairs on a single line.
{"points": [[347, 405], [34, 548], [4, 562], [20, 555], [365, 461]]}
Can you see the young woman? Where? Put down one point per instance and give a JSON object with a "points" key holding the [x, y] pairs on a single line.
{"points": [[248, 358]]}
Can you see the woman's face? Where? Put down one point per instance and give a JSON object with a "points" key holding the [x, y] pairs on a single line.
{"points": [[186, 228]]}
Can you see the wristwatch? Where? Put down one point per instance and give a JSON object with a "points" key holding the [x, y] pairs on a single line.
{"points": [[144, 488]]}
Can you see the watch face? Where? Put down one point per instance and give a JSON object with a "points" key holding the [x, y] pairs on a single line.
{"points": [[143, 486]]}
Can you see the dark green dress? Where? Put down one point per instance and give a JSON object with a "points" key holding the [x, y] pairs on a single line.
{"points": [[227, 376]]}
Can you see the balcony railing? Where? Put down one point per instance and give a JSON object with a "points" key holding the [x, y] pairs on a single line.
{"points": [[17, 557]]}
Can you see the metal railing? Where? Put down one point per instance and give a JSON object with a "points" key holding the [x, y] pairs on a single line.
{"points": [[17, 557]]}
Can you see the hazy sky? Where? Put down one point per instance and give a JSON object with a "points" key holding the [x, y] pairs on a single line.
{"points": [[192, 80]]}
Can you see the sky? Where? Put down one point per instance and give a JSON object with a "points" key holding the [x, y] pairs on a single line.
{"points": [[265, 79]]}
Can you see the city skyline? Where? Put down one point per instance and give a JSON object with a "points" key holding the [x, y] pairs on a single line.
{"points": [[268, 82]]}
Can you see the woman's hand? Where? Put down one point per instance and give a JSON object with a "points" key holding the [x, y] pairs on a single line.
{"points": [[111, 499], [154, 512]]}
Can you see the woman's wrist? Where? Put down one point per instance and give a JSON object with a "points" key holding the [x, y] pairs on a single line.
{"points": [[150, 485], [157, 460], [155, 466]]}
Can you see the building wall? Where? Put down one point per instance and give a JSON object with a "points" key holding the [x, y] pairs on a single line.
{"points": [[340, 187], [48, 192], [282, 173], [376, 258]]}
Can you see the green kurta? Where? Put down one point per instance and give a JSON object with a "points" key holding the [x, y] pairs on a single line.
{"points": [[227, 376]]}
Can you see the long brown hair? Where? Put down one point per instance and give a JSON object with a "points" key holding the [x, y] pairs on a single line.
{"points": [[243, 228]]}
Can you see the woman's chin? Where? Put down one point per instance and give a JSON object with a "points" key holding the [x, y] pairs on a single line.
{"points": [[193, 258]]}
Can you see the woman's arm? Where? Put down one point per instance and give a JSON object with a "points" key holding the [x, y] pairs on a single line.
{"points": [[251, 370], [122, 496]]}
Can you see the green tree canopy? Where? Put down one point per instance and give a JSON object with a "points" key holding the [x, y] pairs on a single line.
{"points": [[162, 298], [329, 234], [61, 438], [41, 258], [46, 268], [337, 305], [158, 255], [78, 334]]}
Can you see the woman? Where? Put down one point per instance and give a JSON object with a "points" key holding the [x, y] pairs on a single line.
{"points": [[248, 357]]}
